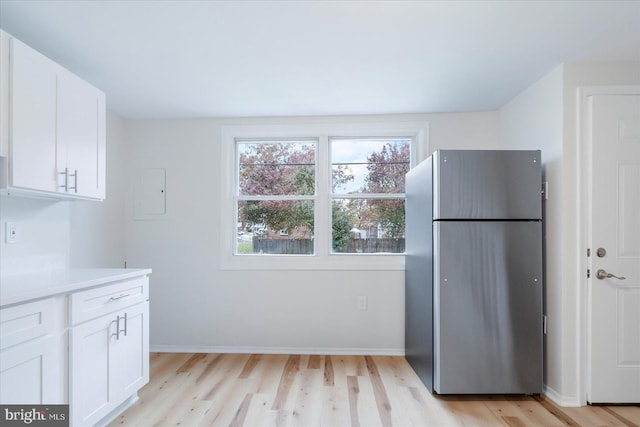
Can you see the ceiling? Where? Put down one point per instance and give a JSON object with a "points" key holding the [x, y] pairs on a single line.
{"points": [[166, 59]]}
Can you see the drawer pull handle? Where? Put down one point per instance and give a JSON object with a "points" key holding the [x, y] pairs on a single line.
{"points": [[119, 297]]}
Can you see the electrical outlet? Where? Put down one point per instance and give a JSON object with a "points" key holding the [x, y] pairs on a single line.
{"points": [[363, 303], [11, 233]]}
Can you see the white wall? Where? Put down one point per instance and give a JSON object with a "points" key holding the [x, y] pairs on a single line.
{"points": [[43, 242], [547, 112], [196, 305]]}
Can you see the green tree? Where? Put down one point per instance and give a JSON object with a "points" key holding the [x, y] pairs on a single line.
{"points": [[386, 174], [342, 223], [279, 169]]}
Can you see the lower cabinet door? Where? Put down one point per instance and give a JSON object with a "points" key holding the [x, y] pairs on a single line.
{"points": [[29, 373], [89, 370], [109, 362], [129, 355]]}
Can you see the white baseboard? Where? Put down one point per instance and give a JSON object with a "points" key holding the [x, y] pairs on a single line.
{"points": [[160, 348], [559, 399]]}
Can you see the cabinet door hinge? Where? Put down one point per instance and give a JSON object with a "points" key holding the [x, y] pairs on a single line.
{"points": [[588, 252], [588, 273]]}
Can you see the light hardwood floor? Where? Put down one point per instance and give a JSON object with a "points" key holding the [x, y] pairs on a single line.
{"points": [[300, 390]]}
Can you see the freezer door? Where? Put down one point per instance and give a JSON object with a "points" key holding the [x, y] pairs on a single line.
{"points": [[488, 307], [487, 184]]}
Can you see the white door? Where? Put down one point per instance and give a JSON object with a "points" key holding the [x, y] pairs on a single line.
{"points": [[614, 302]]}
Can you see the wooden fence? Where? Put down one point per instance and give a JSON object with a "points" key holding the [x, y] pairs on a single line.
{"points": [[305, 246]]}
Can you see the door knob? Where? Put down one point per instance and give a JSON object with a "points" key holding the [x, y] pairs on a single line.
{"points": [[601, 274]]}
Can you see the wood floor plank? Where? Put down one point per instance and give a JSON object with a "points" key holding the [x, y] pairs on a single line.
{"points": [[473, 412], [628, 415], [191, 362], [556, 411], [241, 414], [308, 402], [250, 365], [592, 416], [221, 379], [269, 390], [291, 369], [354, 391], [367, 407], [328, 371], [424, 409], [267, 374], [259, 413], [314, 362], [534, 413], [379, 392], [335, 406], [513, 413]]}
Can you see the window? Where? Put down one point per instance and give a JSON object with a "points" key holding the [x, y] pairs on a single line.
{"points": [[367, 194], [276, 193], [316, 196]]}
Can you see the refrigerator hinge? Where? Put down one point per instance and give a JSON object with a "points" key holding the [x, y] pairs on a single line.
{"points": [[544, 325]]}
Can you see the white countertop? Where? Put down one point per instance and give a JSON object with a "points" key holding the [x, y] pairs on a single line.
{"points": [[22, 288]]}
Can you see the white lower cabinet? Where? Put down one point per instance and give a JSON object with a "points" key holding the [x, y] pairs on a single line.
{"points": [[32, 353], [88, 348], [109, 362], [28, 373]]}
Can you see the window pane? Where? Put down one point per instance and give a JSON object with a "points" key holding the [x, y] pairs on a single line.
{"points": [[275, 227], [276, 168], [369, 165], [368, 225]]}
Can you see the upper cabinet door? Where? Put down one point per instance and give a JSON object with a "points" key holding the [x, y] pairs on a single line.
{"points": [[81, 136], [33, 119], [56, 128]]}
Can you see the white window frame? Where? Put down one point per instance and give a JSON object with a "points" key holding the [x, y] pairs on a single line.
{"points": [[323, 258]]}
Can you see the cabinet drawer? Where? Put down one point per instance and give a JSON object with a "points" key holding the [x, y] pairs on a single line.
{"points": [[89, 304], [21, 323]]}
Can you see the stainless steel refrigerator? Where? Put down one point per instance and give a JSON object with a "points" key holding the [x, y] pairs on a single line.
{"points": [[474, 274]]}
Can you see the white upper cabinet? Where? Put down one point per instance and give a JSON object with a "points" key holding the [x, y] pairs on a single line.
{"points": [[32, 119], [80, 137], [55, 127]]}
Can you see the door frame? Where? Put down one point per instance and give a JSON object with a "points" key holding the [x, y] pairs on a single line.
{"points": [[584, 170]]}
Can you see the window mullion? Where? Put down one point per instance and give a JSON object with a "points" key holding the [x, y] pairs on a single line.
{"points": [[322, 234]]}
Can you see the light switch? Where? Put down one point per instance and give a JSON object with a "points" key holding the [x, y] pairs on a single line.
{"points": [[11, 233]]}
